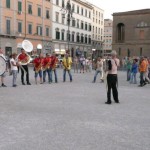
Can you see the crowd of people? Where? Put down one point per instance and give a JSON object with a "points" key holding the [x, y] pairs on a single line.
{"points": [[45, 66]]}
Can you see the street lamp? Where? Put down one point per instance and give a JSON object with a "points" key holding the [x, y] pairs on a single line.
{"points": [[68, 9]]}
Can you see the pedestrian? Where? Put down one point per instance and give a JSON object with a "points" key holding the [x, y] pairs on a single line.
{"points": [[112, 78], [67, 62], [3, 75], [99, 69], [14, 69], [134, 71], [24, 59]]}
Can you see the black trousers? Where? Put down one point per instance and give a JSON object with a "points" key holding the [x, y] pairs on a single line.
{"points": [[112, 84], [22, 73]]}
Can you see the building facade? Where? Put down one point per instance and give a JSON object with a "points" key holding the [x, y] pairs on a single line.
{"points": [[107, 45], [27, 19], [76, 36], [131, 33], [97, 30]]}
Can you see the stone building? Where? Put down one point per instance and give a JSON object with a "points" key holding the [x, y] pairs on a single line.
{"points": [[131, 33]]}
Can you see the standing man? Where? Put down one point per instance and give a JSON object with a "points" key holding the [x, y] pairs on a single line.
{"points": [[112, 78], [3, 75], [54, 61], [38, 63], [99, 69], [23, 57], [67, 62], [14, 68], [46, 68]]}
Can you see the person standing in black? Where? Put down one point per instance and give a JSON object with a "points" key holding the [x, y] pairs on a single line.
{"points": [[112, 79], [23, 58]]}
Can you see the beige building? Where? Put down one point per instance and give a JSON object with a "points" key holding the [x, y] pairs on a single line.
{"points": [[107, 45], [24, 19], [77, 36], [131, 33], [97, 30]]}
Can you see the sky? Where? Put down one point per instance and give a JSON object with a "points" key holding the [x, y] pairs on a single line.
{"points": [[113, 6]]}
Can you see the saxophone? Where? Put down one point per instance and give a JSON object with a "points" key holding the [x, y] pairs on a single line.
{"points": [[37, 69], [46, 66]]}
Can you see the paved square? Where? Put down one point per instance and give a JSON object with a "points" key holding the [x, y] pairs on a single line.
{"points": [[73, 116]]}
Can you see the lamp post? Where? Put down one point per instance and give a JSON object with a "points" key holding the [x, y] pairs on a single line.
{"points": [[68, 10]]}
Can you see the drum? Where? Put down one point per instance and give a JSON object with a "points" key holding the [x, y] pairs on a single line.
{"points": [[2, 65]]}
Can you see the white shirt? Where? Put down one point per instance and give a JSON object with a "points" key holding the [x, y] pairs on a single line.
{"points": [[115, 64], [13, 67]]}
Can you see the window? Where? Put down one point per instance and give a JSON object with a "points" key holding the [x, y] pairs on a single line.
{"points": [[73, 7], [85, 26], [63, 19], [73, 23], [89, 40], [7, 3], [19, 27], [39, 12], [89, 14], [82, 26], [85, 13], [78, 10], [30, 28], [39, 30], [120, 32], [47, 31], [68, 36], [72, 37], [78, 38], [57, 17], [141, 51], [119, 51], [47, 14], [57, 2], [86, 39], [142, 34], [82, 38], [57, 34], [81, 11], [19, 6], [62, 35], [128, 53], [77, 23], [8, 26], [89, 27], [30, 9], [63, 4]]}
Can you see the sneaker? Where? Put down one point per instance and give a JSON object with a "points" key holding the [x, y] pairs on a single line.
{"points": [[28, 83], [3, 85], [14, 85], [107, 102], [23, 83]]}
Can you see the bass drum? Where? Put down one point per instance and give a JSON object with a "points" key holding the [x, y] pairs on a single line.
{"points": [[2, 65]]}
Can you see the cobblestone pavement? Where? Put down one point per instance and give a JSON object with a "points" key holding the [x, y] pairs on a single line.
{"points": [[73, 116]]}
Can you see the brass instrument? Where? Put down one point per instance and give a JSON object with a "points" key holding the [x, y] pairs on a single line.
{"points": [[37, 69], [47, 66]]}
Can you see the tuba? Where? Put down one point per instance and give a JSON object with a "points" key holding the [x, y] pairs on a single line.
{"points": [[28, 47]]}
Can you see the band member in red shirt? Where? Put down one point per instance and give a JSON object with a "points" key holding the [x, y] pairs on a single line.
{"points": [[46, 68], [24, 59], [38, 63], [54, 61]]}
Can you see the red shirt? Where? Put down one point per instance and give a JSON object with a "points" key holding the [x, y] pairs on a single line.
{"points": [[54, 61], [37, 61], [46, 61], [23, 57]]}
